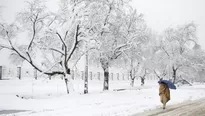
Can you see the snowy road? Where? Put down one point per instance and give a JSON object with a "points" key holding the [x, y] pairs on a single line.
{"points": [[189, 108]]}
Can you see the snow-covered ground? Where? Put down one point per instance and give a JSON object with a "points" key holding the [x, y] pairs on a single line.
{"points": [[48, 98]]}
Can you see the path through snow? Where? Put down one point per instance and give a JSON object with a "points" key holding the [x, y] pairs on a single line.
{"points": [[188, 108]]}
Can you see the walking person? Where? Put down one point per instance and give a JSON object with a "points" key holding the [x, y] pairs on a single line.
{"points": [[164, 93]]}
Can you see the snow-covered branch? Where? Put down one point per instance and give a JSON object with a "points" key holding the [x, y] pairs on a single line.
{"points": [[74, 44], [5, 46], [62, 40], [57, 50]]}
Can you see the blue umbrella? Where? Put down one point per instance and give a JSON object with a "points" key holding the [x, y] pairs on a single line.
{"points": [[169, 84]]}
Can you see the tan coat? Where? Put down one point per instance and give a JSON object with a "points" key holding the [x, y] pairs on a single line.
{"points": [[164, 94]]}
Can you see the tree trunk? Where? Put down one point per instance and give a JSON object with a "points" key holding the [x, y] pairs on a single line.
{"points": [[66, 83], [132, 78], [1, 72], [19, 72], [106, 78], [132, 82], [86, 72], [105, 65], [142, 81], [35, 73], [174, 74]]}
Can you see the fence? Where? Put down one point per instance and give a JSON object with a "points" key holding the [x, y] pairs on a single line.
{"points": [[28, 73]]}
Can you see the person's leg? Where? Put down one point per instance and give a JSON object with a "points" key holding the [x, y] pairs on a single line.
{"points": [[164, 105], [164, 101]]}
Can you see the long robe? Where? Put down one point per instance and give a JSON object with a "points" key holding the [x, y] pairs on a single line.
{"points": [[164, 94]]}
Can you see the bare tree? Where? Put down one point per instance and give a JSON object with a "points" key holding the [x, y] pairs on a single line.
{"points": [[138, 56], [176, 46], [54, 36], [106, 19], [118, 34]]}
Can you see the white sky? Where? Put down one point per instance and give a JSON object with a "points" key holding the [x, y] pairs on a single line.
{"points": [[159, 14]]}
